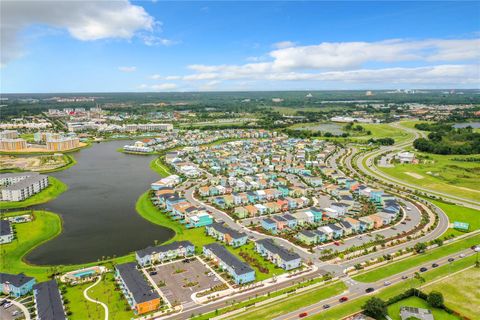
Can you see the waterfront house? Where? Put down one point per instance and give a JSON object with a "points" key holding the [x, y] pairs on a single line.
{"points": [[16, 285], [200, 219], [138, 292], [226, 234], [280, 256], [158, 254], [240, 271]]}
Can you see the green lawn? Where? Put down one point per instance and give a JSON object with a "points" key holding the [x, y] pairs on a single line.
{"points": [[80, 307], [353, 306], [118, 308], [410, 262], [439, 314], [45, 226], [461, 292], [159, 167], [441, 173], [55, 188], [461, 214], [293, 302]]}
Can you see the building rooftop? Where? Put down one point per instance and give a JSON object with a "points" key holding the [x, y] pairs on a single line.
{"points": [[48, 301], [136, 283], [17, 280], [223, 254], [271, 246], [5, 228], [157, 249], [220, 227]]}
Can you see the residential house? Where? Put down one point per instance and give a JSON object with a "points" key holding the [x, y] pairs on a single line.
{"points": [[16, 285], [280, 256], [6, 232], [269, 225], [225, 234], [140, 296], [48, 301], [291, 221], [308, 237], [240, 271], [152, 255]]}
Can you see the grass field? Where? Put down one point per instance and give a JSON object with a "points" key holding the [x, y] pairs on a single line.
{"points": [[353, 306], [80, 307], [460, 291], [159, 167], [116, 302], [441, 173], [45, 226], [461, 214], [293, 302], [394, 309], [55, 188], [410, 262]]}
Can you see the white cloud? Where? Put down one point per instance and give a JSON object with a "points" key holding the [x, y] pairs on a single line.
{"points": [[158, 87], [127, 69], [437, 61], [84, 20], [151, 40], [210, 85], [284, 44]]}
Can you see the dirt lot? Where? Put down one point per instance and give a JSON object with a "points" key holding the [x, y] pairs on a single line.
{"points": [[35, 163], [183, 279]]}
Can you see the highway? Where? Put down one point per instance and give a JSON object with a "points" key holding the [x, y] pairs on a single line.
{"points": [[357, 289]]}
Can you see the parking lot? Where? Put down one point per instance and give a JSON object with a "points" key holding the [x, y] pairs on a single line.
{"points": [[10, 313], [182, 279]]}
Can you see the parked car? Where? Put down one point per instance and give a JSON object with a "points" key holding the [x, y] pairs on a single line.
{"points": [[434, 265], [451, 259], [326, 306], [462, 255], [423, 269], [343, 299], [2, 302], [336, 243], [404, 277], [15, 313], [152, 273], [403, 222], [8, 305], [387, 283], [302, 315], [368, 290]]}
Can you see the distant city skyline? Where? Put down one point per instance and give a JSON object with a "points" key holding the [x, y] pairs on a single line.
{"points": [[146, 46]]}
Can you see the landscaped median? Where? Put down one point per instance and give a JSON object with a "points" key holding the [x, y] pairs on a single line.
{"points": [[55, 188], [416, 260]]}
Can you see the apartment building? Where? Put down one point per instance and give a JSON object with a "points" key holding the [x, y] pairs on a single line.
{"points": [[138, 292], [48, 301], [163, 253], [16, 285], [20, 186]]}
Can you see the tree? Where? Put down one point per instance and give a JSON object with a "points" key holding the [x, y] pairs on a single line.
{"points": [[420, 247], [375, 307], [435, 299]]}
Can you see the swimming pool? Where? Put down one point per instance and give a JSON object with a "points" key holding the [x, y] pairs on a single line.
{"points": [[85, 273]]}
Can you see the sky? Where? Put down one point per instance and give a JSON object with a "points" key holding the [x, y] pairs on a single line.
{"points": [[136, 46]]}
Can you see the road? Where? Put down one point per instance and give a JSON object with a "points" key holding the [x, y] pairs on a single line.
{"points": [[357, 289], [373, 170]]}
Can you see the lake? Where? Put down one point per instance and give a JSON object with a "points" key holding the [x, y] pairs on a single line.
{"points": [[474, 125], [98, 209], [333, 128]]}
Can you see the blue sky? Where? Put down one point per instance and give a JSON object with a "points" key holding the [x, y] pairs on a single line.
{"points": [[203, 46]]}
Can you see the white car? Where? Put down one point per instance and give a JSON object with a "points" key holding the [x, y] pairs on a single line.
{"points": [[8, 305]]}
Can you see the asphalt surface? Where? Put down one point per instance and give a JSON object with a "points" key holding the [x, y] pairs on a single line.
{"points": [[357, 289]]}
